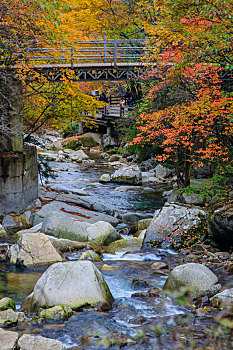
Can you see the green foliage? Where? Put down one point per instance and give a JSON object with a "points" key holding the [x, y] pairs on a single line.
{"points": [[213, 187], [88, 142], [71, 145], [70, 130], [44, 168]]}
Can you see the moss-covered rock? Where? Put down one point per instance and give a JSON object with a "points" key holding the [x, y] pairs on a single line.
{"points": [[7, 303], [90, 255], [129, 244], [57, 313]]}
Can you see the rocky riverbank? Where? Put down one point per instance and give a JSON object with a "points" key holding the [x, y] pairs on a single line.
{"points": [[84, 271]]}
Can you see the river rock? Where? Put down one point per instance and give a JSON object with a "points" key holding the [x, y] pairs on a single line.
{"points": [[8, 317], [49, 157], [159, 265], [108, 141], [201, 280], [223, 299], [57, 144], [61, 188], [148, 164], [33, 249], [141, 225], [33, 229], [2, 231], [7, 303], [56, 313], [105, 178], [8, 339], [102, 233], [107, 267], [193, 198], [129, 175], [142, 234], [74, 209], [132, 218], [172, 220], [36, 342], [220, 225], [66, 245], [90, 255], [73, 284], [162, 172], [60, 225], [76, 156], [128, 244], [114, 158]]}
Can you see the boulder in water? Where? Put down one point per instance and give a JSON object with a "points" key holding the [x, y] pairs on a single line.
{"points": [[102, 233], [128, 244], [105, 178], [129, 175], [60, 225], [8, 339], [90, 255], [172, 220], [57, 313], [7, 303], [74, 284], [197, 277], [29, 342], [33, 249]]}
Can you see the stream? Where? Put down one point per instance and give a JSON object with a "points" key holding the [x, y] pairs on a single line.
{"points": [[139, 308]]}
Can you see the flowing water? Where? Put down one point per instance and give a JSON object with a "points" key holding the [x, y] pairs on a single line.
{"points": [[134, 308]]}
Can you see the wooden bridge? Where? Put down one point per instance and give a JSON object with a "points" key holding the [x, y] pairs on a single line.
{"points": [[107, 116], [92, 60]]}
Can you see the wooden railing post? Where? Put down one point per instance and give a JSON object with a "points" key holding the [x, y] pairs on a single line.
{"points": [[105, 49], [115, 52], [72, 57], [63, 56]]}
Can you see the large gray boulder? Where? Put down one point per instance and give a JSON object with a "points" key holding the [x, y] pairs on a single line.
{"points": [[172, 220], [33, 249], [129, 175], [162, 172], [220, 225], [196, 277], [60, 225], [35, 342], [74, 284], [76, 156], [8, 339], [102, 233]]}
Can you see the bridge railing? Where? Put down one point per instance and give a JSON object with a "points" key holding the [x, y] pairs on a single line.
{"points": [[97, 51]]}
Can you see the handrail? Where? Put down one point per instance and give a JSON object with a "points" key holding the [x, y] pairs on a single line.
{"points": [[103, 51]]}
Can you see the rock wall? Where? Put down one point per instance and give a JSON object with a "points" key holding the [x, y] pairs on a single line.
{"points": [[18, 180]]}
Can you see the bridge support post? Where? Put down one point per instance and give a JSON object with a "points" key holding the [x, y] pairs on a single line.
{"points": [[109, 129], [80, 127]]}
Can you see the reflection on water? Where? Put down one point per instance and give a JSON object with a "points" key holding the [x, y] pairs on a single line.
{"points": [[17, 285]]}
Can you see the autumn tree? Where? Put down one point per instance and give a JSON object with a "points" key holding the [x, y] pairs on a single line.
{"points": [[186, 112]]}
